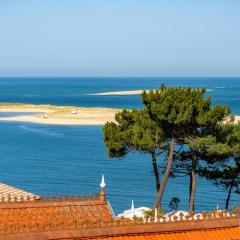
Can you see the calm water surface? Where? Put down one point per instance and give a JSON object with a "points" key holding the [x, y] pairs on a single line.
{"points": [[71, 159]]}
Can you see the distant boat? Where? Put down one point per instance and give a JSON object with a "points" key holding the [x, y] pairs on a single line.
{"points": [[45, 115]]}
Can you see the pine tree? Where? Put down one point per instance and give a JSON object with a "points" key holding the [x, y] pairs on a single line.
{"points": [[226, 173], [184, 114], [170, 119], [134, 131]]}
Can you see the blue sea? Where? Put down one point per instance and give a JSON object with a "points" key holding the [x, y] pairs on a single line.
{"points": [[71, 159]]}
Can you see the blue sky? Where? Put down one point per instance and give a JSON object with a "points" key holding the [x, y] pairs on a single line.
{"points": [[120, 38]]}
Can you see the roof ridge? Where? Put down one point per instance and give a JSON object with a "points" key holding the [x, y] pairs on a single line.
{"points": [[21, 199], [118, 231]]}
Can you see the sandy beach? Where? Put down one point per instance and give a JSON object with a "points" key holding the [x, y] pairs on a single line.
{"points": [[59, 115], [133, 92]]}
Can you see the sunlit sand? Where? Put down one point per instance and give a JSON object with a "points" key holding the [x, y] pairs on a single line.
{"points": [[63, 115], [133, 92]]}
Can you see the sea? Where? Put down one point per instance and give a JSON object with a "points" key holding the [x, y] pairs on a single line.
{"points": [[53, 159]]}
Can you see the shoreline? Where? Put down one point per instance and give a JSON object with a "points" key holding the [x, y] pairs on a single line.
{"points": [[62, 115], [59, 115]]}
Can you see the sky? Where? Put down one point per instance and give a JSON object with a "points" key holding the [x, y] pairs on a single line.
{"points": [[120, 38]]}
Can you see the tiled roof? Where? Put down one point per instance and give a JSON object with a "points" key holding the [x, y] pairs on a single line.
{"points": [[55, 214], [227, 233], [224, 226], [212, 234], [75, 218], [7, 191]]}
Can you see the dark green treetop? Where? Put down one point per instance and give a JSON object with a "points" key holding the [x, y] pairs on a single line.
{"points": [[172, 117], [132, 131]]}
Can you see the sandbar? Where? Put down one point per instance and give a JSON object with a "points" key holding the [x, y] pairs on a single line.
{"points": [[132, 92], [62, 115], [59, 115]]}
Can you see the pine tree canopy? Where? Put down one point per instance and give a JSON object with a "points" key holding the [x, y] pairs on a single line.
{"points": [[182, 124], [133, 130]]}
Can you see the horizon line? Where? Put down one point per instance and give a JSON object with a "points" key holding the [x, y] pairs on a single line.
{"points": [[119, 76]]}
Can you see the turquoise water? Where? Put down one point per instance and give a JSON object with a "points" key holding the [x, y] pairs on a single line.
{"points": [[71, 159]]}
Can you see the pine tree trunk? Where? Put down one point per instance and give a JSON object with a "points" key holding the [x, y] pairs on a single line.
{"points": [[158, 201], [190, 185], [193, 184], [155, 168], [229, 193]]}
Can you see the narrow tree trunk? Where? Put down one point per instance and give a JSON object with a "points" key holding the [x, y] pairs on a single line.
{"points": [[190, 185], [193, 184], [158, 201], [155, 169], [229, 193]]}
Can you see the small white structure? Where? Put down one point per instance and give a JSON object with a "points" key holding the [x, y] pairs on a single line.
{"points": [[175, 214], [137, 212], [45, 115], [170, 216], [74, 111], [102, 184]]}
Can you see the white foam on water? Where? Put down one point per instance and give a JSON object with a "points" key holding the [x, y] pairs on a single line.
{"points": [[209, 90], [29, 95], [40, 131]]}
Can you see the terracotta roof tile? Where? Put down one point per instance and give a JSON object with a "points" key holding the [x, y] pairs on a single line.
{"points": [[7, 191], [214, 234], [41, 215], [78, 218], [231, 233]]}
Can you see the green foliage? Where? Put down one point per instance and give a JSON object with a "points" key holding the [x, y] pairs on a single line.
{"points": [[133, 130], [226, 174], [178, 110], [137, 220], [223, 175], [113, 139], [235, 207], [203, 132], [151, 212], [182, 112]]}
